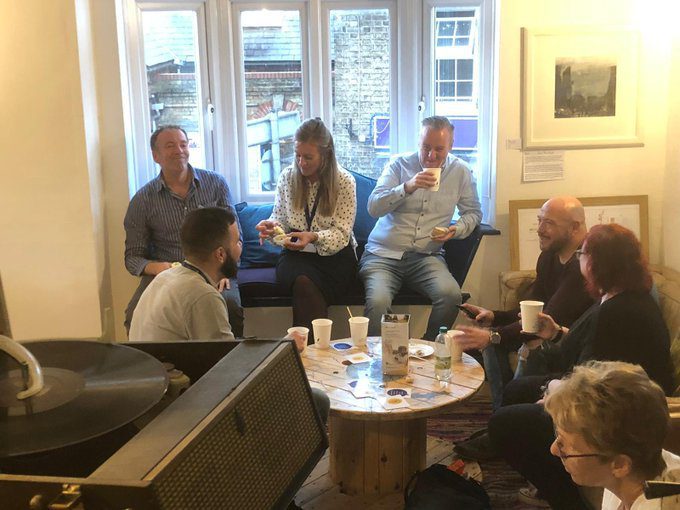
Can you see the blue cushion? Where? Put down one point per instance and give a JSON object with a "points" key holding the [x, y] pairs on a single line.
{"points": [[253, 254], [364, 222]]}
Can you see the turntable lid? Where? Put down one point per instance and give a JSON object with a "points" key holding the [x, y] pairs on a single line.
{"points": [[90, 388]]}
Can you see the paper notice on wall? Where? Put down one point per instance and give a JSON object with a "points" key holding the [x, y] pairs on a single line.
{"points": [[543, 166]]}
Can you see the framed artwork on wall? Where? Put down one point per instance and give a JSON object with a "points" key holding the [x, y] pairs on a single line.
{"points": [[629, 211], [580, 88]]}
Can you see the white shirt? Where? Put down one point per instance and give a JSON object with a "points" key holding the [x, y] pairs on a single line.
{"points": [[405, 221], [179, 304], [334, 231], [670, 474]]}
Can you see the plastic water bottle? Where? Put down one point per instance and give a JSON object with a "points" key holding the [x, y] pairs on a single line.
{"points": [[442, 353]]}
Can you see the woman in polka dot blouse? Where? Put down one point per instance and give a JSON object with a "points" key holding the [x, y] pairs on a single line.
{"points": [[315, 206]]}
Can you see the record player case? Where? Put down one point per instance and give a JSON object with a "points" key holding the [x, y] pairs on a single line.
{"points": [[244, 435]]}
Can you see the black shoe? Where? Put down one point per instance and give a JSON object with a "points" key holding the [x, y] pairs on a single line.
{"points": [[293, 506], [476, 447]]}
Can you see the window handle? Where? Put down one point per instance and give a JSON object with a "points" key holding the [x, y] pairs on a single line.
{"points": [[210, 115]]}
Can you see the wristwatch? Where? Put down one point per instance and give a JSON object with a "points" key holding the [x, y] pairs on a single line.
{"points": [[495, 337]]}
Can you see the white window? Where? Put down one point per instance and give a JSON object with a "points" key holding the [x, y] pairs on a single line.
{"points": [[239, 76]]}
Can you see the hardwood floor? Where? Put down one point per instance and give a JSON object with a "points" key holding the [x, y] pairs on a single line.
{"points": [[320, 493]]}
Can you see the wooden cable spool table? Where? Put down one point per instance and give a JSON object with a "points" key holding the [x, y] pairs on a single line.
{"points": [[374, 450]]}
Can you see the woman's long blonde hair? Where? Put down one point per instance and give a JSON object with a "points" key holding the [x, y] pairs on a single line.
{"points": [[315, 131]]}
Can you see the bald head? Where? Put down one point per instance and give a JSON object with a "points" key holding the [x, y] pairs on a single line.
{"points": [[562, 226]]}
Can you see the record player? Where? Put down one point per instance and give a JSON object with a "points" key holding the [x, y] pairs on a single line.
{"points": [[88, 425]]}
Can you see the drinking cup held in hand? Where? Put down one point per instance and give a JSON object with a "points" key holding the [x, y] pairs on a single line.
{"points": [[358, 327], [530, 311], [322, 332], [300, 335], [456, 349], [437, 173]]}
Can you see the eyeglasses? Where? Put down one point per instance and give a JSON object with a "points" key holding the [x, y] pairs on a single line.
{"points": [[579, 253], [564, 456]]}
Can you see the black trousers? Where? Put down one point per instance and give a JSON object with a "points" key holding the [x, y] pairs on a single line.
{"points": [[522, 434]]}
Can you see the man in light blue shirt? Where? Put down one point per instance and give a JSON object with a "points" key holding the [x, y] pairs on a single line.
{"points": [[405, 247]]}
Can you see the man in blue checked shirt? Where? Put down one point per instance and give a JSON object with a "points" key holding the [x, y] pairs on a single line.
{"points": [[155, 214], [414, 222]]}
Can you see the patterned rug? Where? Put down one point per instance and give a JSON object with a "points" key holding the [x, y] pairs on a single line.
{"points": [[500, 480]]}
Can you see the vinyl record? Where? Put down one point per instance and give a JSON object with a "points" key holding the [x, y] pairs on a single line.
{"points": [[91, 388]]}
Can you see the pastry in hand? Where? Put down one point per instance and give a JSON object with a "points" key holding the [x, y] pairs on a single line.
{"points": [[439, 231]]}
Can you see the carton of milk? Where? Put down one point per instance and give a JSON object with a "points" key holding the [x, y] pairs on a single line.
{"points": [[395, 335]]}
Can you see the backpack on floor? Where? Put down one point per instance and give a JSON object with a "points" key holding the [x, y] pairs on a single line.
{"points": [[437, 487]]}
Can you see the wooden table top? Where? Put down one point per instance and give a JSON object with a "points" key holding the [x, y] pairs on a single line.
{"points": [[326, 371]]}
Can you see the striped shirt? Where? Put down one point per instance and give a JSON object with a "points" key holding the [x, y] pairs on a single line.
{"points": [[155, 215]]}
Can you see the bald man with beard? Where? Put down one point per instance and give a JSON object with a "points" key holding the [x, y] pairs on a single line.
{"points": [[559, 284]]}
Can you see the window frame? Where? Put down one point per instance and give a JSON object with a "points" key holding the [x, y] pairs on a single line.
{"points": [[486, 132], [143, 167], [238, 7], [222, 79]]}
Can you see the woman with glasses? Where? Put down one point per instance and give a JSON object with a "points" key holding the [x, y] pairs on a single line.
{"points": [[601, 440], [625, 324]]}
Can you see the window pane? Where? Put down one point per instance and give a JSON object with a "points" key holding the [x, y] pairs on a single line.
{"points": [[446, 28], [463, 27], [360, 56], [446, 69], [273, 88], [456, 99], [464, 69], [447, 89], [464, 88], [171, 60]]}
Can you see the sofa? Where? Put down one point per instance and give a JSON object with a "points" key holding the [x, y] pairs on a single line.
{"points": [[514, 286], [257, 271]]}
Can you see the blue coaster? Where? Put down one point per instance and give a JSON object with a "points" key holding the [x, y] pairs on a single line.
{"points": [[342, 346]]}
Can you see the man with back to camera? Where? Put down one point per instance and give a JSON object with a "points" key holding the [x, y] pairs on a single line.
{"points": [[559, 285], [155, 213], [183, 303], [404, 247]]}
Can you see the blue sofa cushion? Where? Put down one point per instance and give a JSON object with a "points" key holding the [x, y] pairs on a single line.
{"points": [[364, 222], [253, 254]]}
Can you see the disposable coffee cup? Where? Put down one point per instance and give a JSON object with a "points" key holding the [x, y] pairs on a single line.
{"points": [[300, 337], [530, 311], [456, 349], [437, 172], [358, 327], [322, 332]]}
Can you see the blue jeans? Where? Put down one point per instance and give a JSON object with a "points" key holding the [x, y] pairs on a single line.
{"points": [[426, 274], [498, 372]]}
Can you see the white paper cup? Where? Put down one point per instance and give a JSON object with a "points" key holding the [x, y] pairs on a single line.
{"points": [[300, 338], [456, 349], [322, 332], [437, 172], [358, 327], [530, 311]]}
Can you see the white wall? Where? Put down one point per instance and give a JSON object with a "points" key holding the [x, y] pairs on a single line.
{"points": [[49, 227], [594, 172], [671, 209]]}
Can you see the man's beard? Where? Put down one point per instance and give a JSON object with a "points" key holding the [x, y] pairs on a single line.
{"points": [[229, 267]]}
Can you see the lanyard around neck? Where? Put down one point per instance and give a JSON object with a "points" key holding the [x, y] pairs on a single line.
{"points": [[309, 216], [197, 270]]}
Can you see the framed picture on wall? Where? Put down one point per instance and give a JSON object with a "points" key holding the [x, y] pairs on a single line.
{"points": [[580, 88], [629, 211]]}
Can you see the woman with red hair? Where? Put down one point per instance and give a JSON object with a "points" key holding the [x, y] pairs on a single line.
{"points": [[625, 324]]}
